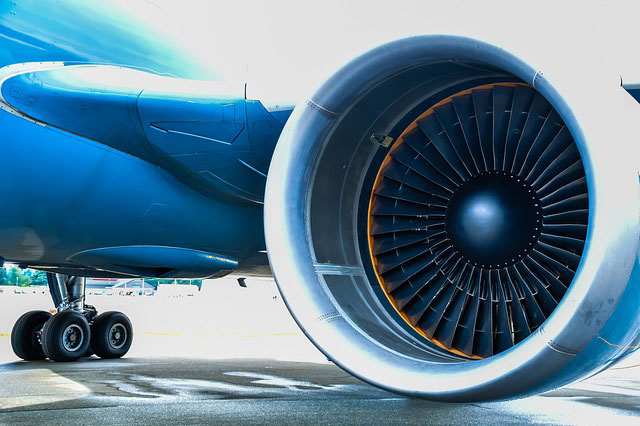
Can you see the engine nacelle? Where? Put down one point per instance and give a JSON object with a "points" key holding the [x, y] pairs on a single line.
{"points": [[445, 221]]}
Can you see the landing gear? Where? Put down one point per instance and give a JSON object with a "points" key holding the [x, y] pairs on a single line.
{"points": [[75, 331], [66, 336], [26, 335], [111, 335]]}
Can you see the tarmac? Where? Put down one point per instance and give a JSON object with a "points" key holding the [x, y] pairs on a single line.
{"points": [[242, 371], [170, 391]]}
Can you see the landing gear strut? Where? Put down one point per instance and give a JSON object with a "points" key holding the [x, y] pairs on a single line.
{"points": [[75, 331]]}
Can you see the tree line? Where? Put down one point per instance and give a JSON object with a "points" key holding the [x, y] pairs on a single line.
{"points": [[22, 277], [28, 277]]}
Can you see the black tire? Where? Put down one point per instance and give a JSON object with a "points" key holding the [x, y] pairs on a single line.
{"points": [[66, 336], [112, 335], [24, 336]]}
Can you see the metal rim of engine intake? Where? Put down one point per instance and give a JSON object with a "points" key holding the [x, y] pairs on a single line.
{"points": [[314, 188]]}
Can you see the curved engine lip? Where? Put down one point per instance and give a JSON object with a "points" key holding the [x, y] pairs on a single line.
{"points": [[546, 351]]}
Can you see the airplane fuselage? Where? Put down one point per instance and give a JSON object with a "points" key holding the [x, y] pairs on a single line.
{"points": [[106, 170]]}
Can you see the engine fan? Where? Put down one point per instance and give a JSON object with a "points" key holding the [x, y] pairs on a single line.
{"points": [[478, 218]]}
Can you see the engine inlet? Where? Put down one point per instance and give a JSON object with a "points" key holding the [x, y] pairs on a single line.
{"points": [[478, 218]]}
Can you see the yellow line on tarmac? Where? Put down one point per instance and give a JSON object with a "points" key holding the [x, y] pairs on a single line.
{"points": [[224, 334], [162, 333]]}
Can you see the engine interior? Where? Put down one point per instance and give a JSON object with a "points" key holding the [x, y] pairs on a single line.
{"points": [[471, 223]]}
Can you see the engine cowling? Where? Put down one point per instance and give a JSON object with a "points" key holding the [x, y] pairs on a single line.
{"points": [[445, 221]]}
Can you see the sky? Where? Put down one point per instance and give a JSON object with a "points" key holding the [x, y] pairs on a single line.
{"points": [[291, 46]]}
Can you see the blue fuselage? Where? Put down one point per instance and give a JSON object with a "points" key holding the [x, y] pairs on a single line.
{"points": [[97, 178]]}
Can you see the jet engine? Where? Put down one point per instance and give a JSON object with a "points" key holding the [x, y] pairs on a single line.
{"points": [[448, 221]]}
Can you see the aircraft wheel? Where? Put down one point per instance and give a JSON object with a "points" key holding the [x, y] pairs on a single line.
{"points": [[66, 336], [25, 336], [112, 335]]}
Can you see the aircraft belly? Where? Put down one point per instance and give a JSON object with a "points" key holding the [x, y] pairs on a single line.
{"points": [[63, 194]]}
